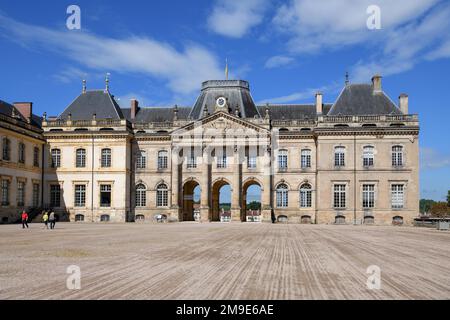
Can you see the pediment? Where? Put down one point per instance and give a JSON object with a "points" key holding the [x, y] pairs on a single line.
{"points": [[222, 121]]}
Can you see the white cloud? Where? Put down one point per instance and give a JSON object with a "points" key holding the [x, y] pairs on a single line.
{"points": [[411, 31], [432, 159], [70, 74], [278, 61], [182, 70], [235, 18], [308, 94]]}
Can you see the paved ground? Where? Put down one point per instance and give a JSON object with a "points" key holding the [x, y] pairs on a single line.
{"points": [[223, 261]]}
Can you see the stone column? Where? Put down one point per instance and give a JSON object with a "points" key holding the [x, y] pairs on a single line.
{"points": [[205, 188], [266, 207], [175, 201], [236, 194]]}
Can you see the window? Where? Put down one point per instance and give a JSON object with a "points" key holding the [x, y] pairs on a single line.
{"points": [[80, 195], [105, 195], [6, 149], [339, 196], [305, 158], [80, 158], [397, 196], [222, 159], [191, 159], [79, 217], [397, 156], [56, 158], [368, 196], [35, 195], [141, 195], [283, 159], [251, 162], [104, 218], [20, 193], [305, 196], [21, 152], [162, 159], [162, 195], [141, 160], [5, 193], [368, 156], [55, 195], [339, 156], [36, 156], [282, 196], [106, 158]]}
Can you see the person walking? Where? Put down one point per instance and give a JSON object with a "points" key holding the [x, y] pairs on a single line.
{"points": [[45, 219], [51, 219], [24, 220]]}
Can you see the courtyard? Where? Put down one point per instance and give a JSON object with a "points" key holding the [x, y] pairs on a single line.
{"points": [[223, 261]]}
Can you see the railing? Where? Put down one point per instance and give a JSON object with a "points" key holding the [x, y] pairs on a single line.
{"points": [[293, 122], [86, 123]]}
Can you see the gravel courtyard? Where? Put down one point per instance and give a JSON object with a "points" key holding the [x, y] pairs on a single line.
{"points": [[223, 261]]}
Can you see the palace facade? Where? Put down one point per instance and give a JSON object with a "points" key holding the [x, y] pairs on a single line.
{"points": [[351, 161]]}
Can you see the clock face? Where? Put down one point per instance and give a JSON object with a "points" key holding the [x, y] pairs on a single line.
{"points": [[221, 102]]}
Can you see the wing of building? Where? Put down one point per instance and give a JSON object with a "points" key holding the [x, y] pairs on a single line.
{"points": [[351, 161]]}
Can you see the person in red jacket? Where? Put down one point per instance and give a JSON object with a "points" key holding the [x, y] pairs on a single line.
{"points": [[24, 220]]}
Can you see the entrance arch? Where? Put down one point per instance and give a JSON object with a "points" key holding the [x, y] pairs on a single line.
{"points": [[251, 201], [191, 201], [221, 201]]}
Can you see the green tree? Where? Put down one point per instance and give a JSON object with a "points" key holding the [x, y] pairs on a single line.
{"points": [[448, 198], [425, 205], [254, 205], [440, 210]]}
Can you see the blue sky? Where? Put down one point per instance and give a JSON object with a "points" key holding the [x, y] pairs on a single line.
{"points": [[161, 51]]}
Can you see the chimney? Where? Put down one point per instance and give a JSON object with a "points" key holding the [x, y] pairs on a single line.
{"points": [[376, 83], [403, 103], [134, 108], [25, 108], [319, 102]]}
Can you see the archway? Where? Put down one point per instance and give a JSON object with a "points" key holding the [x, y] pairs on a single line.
{"points": [[251, 202], [191, 201], [221, 201]]}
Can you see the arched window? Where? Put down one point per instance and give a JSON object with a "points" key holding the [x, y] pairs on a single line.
{"points": [[305, 196], [339, 156], [106, 158], [283, 159], [79, 217], [141, 195], [368, 156], [305, 158], [6, 149], [282, 196], [56, 158], [141, 160], [162, 159], [162, 195], [397, 156], [104, 218], [80, 158]]}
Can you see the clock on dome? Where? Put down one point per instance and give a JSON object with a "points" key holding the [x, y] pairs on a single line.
{"points": [[221, 102]]}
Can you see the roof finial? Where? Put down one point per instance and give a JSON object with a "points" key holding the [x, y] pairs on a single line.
{"points": [[226, 68], [346, 78], [107, 81], [84, 86]]}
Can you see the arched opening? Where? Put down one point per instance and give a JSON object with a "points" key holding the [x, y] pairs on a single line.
{"points": [[369, 125], [191, 201], [339, 219], [341, 125], [369, 219], [397, 220], [139, 218], [251, 202], [79, 217], [399, 124], [221, 202], [283, 130], [104, 218], [106, 129], [81, 129], [305, 219]]}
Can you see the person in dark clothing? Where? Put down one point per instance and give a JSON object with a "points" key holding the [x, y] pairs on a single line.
{"points": [[24, 220], [52, 220]]}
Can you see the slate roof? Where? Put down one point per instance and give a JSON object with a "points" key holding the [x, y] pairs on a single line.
{"points": [[360, 99], [100, 102], [7, 110], [237, 93], [156, 114], [292, 111]]}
